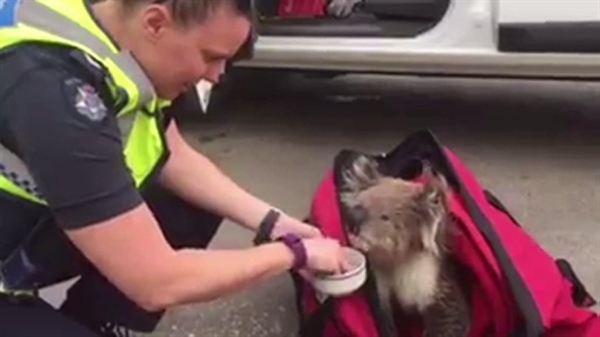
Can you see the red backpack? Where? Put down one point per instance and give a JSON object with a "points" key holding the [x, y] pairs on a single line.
{"points": [[517, 288]]}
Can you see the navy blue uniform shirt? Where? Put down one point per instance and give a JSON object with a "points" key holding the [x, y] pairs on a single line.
{"points": [[56, 116]]}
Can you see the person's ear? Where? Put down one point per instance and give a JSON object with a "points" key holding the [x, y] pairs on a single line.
{"points": [[155, 20]]}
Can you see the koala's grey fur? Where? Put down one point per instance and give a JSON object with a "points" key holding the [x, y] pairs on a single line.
{"points": [[404, 229]]}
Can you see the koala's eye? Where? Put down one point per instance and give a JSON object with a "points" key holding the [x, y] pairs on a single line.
{"points": [[385, 217], [435, 199]]}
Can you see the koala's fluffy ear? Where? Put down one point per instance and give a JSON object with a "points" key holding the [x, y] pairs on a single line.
{"points": [[427, 170], [435, 177], [362, 174], [436, 185]]}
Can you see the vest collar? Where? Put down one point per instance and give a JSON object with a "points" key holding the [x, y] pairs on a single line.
{"points": [[46, 15]]}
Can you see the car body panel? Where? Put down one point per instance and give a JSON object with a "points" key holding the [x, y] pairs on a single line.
{"points": [[536, 11], [464, 43]]}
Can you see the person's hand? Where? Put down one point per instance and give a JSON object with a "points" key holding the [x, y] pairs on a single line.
{"points": [[324, 255], [288, 224]]}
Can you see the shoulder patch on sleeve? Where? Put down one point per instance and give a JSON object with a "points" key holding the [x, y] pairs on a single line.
{"points": [[8, 12], [85, 99]]}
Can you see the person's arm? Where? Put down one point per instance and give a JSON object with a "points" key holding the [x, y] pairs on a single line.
{"points": [[132, 252], [78, 165], [197, 179], [194, 177]]}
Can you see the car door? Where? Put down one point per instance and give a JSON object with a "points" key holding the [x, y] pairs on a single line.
{"points": [[557, 26]]}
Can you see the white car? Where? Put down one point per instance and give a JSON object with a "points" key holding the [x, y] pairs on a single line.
{"points": [[557, 39]]}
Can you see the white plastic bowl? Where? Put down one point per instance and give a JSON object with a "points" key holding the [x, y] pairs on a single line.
{"points": [[344, 284]]}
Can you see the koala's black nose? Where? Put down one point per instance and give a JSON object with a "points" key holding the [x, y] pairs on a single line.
{"points": [[355, 217]]}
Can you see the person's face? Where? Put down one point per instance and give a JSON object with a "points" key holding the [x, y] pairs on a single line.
{"points": [[177, 58]]}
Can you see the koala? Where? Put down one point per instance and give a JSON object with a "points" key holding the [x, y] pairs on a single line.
{"points": [[404, 229]]}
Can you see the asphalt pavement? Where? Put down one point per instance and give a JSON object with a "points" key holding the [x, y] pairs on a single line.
{"points": [[536, 145]]}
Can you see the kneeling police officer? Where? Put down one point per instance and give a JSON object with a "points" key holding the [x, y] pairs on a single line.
{"points": [[96, 180]]}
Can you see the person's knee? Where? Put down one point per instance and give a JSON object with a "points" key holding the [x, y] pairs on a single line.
{"points": [[197, 231], [98, 304], [183, 224]]}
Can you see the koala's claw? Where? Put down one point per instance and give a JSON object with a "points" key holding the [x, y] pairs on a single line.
{"points": [[358, 243]]}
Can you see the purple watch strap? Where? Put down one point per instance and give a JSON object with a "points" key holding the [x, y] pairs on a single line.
{"points": [[294, 242]]}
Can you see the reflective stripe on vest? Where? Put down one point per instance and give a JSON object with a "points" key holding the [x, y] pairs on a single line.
{"points": [[40, 17], [51, 21]]}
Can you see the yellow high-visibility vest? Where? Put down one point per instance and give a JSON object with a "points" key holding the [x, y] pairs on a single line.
{"points": [[70, 23]]}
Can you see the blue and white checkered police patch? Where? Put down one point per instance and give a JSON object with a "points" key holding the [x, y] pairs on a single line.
{"points": [[8, 12], [86, 100]]}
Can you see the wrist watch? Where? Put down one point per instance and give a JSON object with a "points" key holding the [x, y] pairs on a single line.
{"points": [[295, 244], [265, 227]]}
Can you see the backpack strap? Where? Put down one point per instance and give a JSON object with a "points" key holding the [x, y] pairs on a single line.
{"points": [[314, 324], [581, 297]]}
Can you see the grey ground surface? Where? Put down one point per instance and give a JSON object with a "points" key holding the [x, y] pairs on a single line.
{"points": [[536, 145]]}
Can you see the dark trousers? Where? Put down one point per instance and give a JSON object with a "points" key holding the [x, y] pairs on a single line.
{"points": [[92, 303]]}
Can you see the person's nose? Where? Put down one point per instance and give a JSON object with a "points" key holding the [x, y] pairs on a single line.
{"points": [[214, 72]]}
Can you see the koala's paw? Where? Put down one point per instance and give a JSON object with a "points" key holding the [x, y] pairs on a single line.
{"points": [[358, 243]]}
